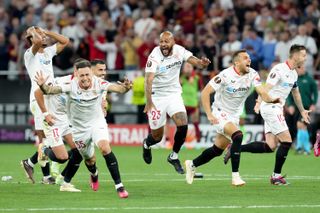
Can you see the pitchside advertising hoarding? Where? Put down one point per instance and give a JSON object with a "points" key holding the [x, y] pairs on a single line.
{"points": [[133, 135]]}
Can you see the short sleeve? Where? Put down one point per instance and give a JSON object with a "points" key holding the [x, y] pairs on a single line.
{"points": [[152, 64], [273, 77], [104, 85], [66, 87], [216, 82], [186, 54], [52, 50], [256, 80]]}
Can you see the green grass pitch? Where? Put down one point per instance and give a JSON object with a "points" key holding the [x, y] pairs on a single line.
{"points": [[158, 188]]}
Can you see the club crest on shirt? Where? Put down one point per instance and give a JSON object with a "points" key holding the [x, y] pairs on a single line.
{"points": [[149, 64], [217, 80], [272, 75]]}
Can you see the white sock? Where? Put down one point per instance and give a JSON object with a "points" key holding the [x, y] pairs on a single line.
{"points": [[276, 175], [235, 174], [30, 163], [174, 155], [117, 186]]}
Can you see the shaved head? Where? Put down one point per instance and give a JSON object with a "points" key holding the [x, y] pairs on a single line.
{"points": [[166, 43]]}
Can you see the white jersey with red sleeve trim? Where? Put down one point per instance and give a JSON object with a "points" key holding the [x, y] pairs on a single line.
{"points": [[283, 79], [85, 105], [39, 62], [232, 89], [167, 70]]}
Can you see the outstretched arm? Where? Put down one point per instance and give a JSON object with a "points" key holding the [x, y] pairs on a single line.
{"points": [[200, 63], [121, 87]]}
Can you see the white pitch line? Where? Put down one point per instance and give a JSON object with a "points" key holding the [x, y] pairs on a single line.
{"points": [[182, 179], [165, 208]]}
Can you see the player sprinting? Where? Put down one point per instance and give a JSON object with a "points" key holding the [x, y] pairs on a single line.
{"points": [[281, 80], [163, 94], [39, 57], [88, 123], [231, 86]]}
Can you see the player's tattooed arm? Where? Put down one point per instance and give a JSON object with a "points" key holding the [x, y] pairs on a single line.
{"points": [[200, 63], [46, 89]]}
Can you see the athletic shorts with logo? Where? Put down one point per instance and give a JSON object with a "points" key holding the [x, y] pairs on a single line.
{"points": [[170, 105]]}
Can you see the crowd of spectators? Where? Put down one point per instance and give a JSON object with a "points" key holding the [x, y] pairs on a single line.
{"points": [[123, 32]]}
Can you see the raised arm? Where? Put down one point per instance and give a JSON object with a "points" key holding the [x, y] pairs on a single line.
{"points": [[121, 87], [62, 40], [200, 63], [36, 40], [46, 89]]}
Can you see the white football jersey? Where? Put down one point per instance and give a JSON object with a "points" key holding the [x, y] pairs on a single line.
{"points": [[57, 104], [85, 105], [39, 62], [283, 79], [167, 70], [232, 89]]}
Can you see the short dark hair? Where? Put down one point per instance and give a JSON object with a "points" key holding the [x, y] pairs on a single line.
{"points": [[82, 64], [296, 48], [94, 62], [78, 60], [236, 54]]}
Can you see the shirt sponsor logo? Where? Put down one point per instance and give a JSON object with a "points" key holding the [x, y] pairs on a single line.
{"points": [[234, 90], [45, 62], [286, 84]]}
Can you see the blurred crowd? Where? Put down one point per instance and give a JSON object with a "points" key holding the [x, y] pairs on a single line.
{"points": [[123, 32]]}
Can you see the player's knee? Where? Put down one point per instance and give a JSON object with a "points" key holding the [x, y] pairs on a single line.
{"points": [[91, 161], [157, 136], [63, 157], [104, 147]]}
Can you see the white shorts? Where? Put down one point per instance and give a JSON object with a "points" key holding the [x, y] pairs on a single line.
{"points": [[224, 118], [85, 140], [37, 115], [55, 133], [165, 105], [274, 120]]}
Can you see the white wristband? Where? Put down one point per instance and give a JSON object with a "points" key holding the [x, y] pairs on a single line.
{"points": [[45, 114]]}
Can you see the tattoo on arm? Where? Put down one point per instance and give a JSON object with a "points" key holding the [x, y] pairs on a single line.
{"points": [[50, 89]]}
